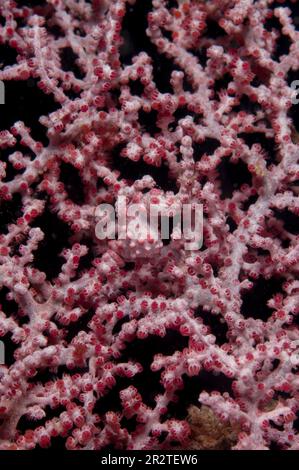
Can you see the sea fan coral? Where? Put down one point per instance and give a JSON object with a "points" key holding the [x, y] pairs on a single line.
{"points": [[109, 342]]}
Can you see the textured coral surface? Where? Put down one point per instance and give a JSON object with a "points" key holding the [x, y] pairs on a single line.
{"points": [[108, 343]]}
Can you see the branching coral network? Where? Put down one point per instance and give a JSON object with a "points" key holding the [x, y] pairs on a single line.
{"points": [[217, 130]]}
